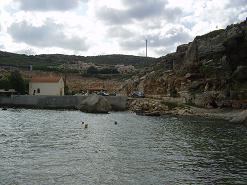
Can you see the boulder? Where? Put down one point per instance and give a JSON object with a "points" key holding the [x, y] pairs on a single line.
{"points": [[240, 118], [184, 112], [95, 104]]}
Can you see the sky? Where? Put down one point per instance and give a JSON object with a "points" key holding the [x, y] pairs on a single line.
{"points": [[99, 27]]}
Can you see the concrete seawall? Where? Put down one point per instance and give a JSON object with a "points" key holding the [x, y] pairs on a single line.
{"points": [[118, 103]]}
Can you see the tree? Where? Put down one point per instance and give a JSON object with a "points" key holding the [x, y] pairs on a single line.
{"points": [[4, 83], [66, 90], [17, 82]]}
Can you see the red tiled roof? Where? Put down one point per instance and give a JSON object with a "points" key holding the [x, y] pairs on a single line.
{"points": [[49, 79]]}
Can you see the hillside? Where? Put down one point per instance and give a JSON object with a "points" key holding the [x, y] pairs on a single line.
{"points": [[44, 61]]}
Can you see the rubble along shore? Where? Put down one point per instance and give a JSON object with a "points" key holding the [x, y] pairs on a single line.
{"points": [[158, 107]]}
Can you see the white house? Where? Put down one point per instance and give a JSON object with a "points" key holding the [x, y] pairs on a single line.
{"points": [[49, 85]]}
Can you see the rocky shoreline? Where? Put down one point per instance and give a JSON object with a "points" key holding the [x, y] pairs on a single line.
{"points": [[158, 107], [205, 77]]}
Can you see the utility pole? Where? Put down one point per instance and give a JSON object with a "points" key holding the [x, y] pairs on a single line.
{"points": [[146, 48], [65, 77]]}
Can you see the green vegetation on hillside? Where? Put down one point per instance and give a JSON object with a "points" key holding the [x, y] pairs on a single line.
{"points": [[50, 62], [15, 81]]}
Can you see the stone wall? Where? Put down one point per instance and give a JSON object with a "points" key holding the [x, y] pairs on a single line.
{"points": [[118, 103]]}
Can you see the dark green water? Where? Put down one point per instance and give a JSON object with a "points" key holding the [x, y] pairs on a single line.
{"points": [[52, 147]]}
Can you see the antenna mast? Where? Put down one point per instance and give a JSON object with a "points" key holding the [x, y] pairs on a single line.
{"points": [[146, 48]]}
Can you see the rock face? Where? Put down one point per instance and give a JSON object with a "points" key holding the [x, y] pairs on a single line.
{"points": [[210, 99], [215, 62], [240, 73], [95, 104]]}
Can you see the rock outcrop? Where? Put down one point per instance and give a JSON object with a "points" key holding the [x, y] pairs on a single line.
{"points": [[148, 107], [95, 104], [209, 72]]}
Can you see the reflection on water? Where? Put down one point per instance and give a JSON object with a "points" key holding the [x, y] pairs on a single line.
{"points": [[52, 147]]}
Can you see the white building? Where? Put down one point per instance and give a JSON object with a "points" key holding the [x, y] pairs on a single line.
{"points": [[50, 85]]}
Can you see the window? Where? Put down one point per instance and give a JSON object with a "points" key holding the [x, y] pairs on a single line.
{"points": [[38, 90]]}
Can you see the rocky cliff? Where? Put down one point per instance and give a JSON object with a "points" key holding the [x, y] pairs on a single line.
{"points": [[210, 71]]}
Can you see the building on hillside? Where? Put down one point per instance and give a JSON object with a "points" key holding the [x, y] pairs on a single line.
{"points": [[53, 86]]}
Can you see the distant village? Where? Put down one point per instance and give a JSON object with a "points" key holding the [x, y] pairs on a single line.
{"points": [[83, 67]]}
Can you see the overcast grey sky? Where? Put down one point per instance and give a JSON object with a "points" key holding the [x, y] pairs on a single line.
{"points": [[96, 27]]}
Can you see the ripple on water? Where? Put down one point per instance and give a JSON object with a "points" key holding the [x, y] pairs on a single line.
{"points": [[52, 147]]}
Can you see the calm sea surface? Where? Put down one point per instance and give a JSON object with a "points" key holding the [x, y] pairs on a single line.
{"points": [[52, 147]]}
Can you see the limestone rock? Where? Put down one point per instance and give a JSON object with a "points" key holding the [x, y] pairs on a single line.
{"points": [[206, 99], [212, 62], [184, 112], [95, 104], [240, 118]]}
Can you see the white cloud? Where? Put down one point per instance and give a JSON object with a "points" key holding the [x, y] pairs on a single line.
{"points": [[48, 35], [48, 5], [93, 27]]}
